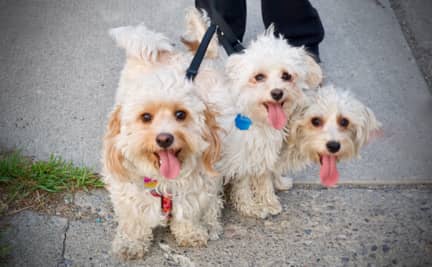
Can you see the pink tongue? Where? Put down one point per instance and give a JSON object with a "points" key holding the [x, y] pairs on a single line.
{"points": [[328, 172], [169, 165], [276, 116]]}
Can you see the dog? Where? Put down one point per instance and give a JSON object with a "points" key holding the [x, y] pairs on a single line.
{"points": [[262, 84], [328, 126], [159, 149]]}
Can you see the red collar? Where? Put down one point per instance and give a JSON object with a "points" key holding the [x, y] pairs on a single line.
{"points": [[166, 200]]}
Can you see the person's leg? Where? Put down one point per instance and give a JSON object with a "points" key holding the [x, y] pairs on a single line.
{"points": [[296, 20], [233, 12]]}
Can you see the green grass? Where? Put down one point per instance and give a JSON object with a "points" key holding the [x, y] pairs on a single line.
{"points": [[20, 177]]}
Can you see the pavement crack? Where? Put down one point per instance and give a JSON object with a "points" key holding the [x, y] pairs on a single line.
{"points": [[62, 261]]}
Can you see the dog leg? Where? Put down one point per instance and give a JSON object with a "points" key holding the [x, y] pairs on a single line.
{"points": [[265, 195], [189, 233], [282, 183], [132, 239], [137, 215], [129, 247], [243, 201], [212, 216]]}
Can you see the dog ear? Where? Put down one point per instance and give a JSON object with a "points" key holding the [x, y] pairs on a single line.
{"points": [[294, 129], [142, 44], [112, 158], [196, 26], [314, 75], [211, 136], [370, 127]]}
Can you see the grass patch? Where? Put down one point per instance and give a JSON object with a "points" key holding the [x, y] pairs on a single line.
{"points": [[23, 180]]}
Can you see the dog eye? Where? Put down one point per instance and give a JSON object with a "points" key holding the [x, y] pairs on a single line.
{"points": [[286, 76], [317, 122], [343, 122], [146, 117], [180, 115], [259, 77]]}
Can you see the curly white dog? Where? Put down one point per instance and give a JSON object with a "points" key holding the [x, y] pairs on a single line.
{"points": [[329, 125], [263, 83], [160, 147]]}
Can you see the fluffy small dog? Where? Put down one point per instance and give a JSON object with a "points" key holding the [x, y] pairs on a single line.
{"points": [[262, 85], [265, 81], [159, 148], [328, 126]]}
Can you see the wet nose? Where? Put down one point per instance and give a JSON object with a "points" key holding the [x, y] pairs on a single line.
{"points": [[276, 94], [333, 146], [164, 140]]}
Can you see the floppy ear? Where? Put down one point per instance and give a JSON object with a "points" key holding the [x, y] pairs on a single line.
{"points": [[294, 130], [211, 136], [141, 43], [112, 158], [370, 127], [314, 74]]}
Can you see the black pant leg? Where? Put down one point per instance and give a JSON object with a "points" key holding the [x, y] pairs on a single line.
{"points": [[297, 20], [233, 12]]}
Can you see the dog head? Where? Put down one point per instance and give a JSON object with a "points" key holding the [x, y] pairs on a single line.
{"points": [[331, 126], [163, 130], [268, 77]]}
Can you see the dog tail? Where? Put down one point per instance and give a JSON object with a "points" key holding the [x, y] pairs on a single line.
{"points": [[196, 25], [141, 43]]}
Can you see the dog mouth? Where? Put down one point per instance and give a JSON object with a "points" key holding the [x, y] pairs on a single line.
{"points": [[329, 174], [275, 114], [168, 162]]}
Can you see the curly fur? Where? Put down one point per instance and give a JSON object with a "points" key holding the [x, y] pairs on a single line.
{"points": [[305, 143], [153, 82], [248, 157]]}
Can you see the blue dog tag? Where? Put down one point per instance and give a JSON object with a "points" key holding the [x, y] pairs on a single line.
{"points": [[242, 122]]}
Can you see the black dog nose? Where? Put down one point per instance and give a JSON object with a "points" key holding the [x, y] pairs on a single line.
{"points": [[333, 146], [164, 140], [276, 94]]}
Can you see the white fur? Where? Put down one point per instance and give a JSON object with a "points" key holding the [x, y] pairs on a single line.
{"points": [[248, 157], [154, 73], [304, 143], [140, 42]]}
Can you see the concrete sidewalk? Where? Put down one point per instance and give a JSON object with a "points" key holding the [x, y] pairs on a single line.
{"points": [[59, 70], [58, 75], [336, 227]]}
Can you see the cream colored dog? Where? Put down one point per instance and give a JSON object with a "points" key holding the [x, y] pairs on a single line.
{"points": [[329, 125], [265, 82], [262, 85], [160, 147]]}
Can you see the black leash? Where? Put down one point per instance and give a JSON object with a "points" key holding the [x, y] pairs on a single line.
{"points": [[226, 37], [192, 71]]}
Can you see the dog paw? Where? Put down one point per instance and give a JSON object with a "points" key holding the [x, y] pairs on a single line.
{"points": [[128, 249], [262, 214], [193, 240], [188, 234], [283, 183], [274, 208], [253, 211]]}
